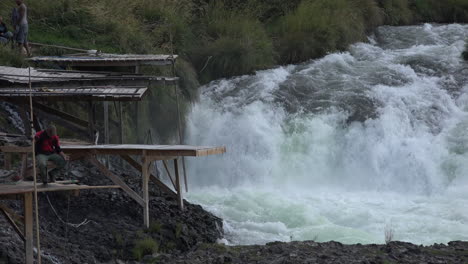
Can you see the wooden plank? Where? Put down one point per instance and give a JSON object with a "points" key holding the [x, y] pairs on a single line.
{"points": [[12, 223], [153, 178], [63, 115], [115, 179], [24, 165], [169, 174], [145, 176], [15, 149], [180, 198], [25, 187], [28, 228]]}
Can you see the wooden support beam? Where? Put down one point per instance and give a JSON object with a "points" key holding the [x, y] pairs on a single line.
{"points": [[28, 228], [25, 118], [106, 122], [153, 178], [180, 198], [24, 165], [116, 180], [91, 122], [63, 122], [106, 128], [7, 161], [169, 174], [145, 176], [63, 115], [121, 123], [12, 222]]}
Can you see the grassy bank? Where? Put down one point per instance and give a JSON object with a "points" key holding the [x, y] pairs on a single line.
{"points": [[226, 38]]}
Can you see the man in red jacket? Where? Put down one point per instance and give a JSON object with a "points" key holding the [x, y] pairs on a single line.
{"points": [[48, 149]]}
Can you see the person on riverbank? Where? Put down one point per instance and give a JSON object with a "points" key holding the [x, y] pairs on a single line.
{"points": [[23, 27], [5, 35], [48, 149]]}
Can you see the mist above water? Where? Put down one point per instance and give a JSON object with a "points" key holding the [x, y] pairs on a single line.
{"points": [[343, 147]]}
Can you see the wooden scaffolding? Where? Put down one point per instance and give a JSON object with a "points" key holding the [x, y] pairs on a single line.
{"points": [[91, 86]]}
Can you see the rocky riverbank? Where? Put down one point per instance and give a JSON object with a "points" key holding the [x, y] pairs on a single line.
{"points": [[312, 252], [111, 223]]}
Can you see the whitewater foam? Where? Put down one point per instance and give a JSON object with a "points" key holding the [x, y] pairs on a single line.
{"points": [[342, 147]]}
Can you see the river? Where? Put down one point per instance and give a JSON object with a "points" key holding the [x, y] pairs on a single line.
{"points": [[342, 148]]}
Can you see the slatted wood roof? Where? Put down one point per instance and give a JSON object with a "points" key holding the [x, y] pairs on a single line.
{"points": [[21, 76], [82, 93], [105, 59]]}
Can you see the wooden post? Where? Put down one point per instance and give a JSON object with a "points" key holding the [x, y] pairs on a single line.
{"points": [[145, 175], [91, 121], [106, 122], [106, 128], [121, 123], [7, 161], [24, 165], [28, 229], [180, 198]]}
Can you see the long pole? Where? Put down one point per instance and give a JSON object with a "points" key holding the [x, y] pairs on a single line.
{"points": [[38, 240], [179, 123]]}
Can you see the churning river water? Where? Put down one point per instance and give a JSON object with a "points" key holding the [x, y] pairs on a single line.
{"points": [[344, 147]]}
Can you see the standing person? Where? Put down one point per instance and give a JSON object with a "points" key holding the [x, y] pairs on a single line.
{"points": [[5, 35], [48, 149], [22, 36]]}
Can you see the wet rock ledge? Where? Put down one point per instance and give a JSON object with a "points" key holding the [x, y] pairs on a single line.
{"points": [[309, 252]]}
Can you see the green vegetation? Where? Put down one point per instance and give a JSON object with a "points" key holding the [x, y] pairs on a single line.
{"points": [[155, 227], [143, 247], [225, 38]]}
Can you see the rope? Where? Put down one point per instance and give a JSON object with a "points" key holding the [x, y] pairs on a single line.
{"points": [[38, 240], [85, 222]]}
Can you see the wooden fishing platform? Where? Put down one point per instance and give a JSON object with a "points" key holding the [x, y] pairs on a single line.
{"points": [[147, 153]]}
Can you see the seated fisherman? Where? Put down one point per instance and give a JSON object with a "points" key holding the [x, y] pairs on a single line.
{"points": [[5, 35], [48, 149]]}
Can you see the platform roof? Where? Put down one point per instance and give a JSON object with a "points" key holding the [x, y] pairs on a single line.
{"points": [[149, 150], [105, 59], [82, 93], [21, 76], [126, 149]]}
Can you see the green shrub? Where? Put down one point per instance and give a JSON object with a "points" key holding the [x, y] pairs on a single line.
{"points": [[232, 43], [397, 12], [320, 26], [11, 57], [155, 227], [146, 246]]}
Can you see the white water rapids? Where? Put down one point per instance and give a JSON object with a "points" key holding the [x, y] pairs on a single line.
{"points": [[343, 147]]}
